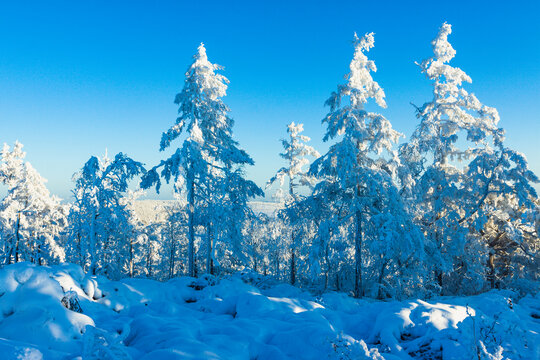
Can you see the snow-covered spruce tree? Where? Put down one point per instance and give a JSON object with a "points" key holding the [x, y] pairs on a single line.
{"points": [[432, 176], [32, 220], [356, 176], [208, 167], [102, 229], [458, 174], [295, 152]]}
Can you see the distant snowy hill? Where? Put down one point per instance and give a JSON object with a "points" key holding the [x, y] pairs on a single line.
{"points": [[265, 207], [151, 210]]}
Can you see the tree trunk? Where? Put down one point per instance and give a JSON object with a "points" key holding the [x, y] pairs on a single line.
{"points": [[278, 271], [149, 257], [17, 237], [38, 255], [293, 264], [80, 248], [293, 245], [172, 253], [327, 267], [438, 272], [358, 287], [381, 277], [191, 226], [209, 245], [195, 269], [93, 243], [491, 265], [440, 279], [131, 257]]}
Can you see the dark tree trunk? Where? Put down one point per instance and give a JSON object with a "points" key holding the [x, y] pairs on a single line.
{"points": [[191, 227], [172, 253], [358, 287], [381, 277], [17, 237], [278, 271], [491, 275], [293, 266], [327, 269], [209, 249]]}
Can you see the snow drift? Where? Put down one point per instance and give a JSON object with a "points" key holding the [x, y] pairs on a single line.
{"points": [[247, 317]]}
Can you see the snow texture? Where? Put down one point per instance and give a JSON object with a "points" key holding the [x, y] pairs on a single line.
{"points": [[247, 316]]}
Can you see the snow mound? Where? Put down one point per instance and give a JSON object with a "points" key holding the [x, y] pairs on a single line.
{"points": [[32, 311], [238, 318]]}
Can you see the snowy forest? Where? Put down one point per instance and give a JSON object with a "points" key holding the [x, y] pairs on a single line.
{"points": [[450, 211]]}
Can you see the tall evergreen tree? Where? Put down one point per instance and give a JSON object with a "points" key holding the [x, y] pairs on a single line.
{"points": [[457, 169], [355, 174], [208, 167]]}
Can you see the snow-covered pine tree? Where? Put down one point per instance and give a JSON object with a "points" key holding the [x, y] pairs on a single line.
{"points": [[32, 220], [208, 167], [455, 161], [357, 178], [102, 229], [295, 152]]}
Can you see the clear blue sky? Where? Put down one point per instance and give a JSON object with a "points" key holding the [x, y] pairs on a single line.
{"points": [[79, 77]]}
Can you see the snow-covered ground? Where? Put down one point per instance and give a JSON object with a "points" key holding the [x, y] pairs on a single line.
{"points": [[248, 317]]}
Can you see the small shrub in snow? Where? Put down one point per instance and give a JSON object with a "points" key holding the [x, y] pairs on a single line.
{"points": [[71, 301]]}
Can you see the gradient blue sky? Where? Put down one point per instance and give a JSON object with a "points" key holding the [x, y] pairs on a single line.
{"points": [[79, 77]]}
